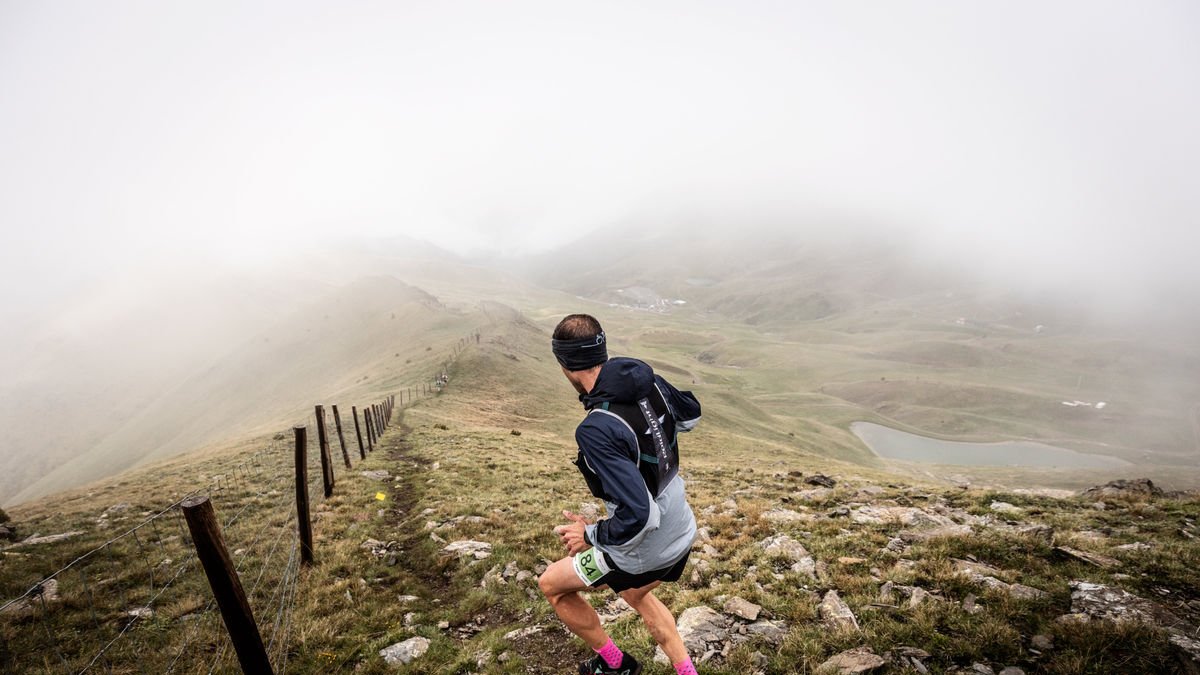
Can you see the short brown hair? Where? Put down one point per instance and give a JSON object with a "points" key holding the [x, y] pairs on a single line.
{"points": [[576, 326]]}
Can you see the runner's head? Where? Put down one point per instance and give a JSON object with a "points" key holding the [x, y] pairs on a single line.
{"points": [[580, 347]]}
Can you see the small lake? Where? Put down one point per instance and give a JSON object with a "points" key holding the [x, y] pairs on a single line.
{"points": [[900, 445]]}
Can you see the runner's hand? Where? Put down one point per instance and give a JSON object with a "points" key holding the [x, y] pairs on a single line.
{"points": [[572, 534]]}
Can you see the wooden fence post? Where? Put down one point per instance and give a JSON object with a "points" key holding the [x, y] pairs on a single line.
{"points": [[358, 432], [337, 421], [370, 428], [226, 587], [326, 462], [302, 515], [378, 420]]}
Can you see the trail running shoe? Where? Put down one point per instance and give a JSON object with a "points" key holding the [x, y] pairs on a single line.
{"points": [[597, 666]]}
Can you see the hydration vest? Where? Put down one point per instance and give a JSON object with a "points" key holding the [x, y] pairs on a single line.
{"points": [[653, 426]]}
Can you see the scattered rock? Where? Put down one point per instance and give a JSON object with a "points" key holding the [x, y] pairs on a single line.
{"points": [[820, 480], [47, 539], [1043, 533], [953, 530], [815, 495], [515, 432], [981, 574], [742, 608], [783, 546], [140, 613], [970, 604], [1012, 670], [852, 661], [1090, 601], [404, 653], [522, 632], [1042, 642], [465, 548], [836, 614], [379, 474], [1135, 546], [918, 596], [1096, 559], [46, 592], [1138, 488], [1097, 601], [615, 610], [778, 516], [805, 566], [378, 548], [1005, 507], [909, 657], [771, 631]]}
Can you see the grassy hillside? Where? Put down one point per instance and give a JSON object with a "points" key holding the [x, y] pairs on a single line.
{"points": [[355, 340], [489, 459]]}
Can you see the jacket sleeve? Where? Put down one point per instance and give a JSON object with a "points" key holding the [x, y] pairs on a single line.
{"points": [[608, 455], [683, 404]]}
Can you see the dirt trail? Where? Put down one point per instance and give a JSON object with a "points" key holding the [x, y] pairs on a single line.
{"points": [[551, 651]]}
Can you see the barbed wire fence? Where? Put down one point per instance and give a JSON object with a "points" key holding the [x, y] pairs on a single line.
{"points": [[146, 601]]}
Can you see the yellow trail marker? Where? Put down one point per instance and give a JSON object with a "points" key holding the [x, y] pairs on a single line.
{"points": [[380, 496]]}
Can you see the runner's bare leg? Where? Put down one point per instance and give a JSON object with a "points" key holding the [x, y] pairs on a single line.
{"points": [[658, 620], [561, 586]]}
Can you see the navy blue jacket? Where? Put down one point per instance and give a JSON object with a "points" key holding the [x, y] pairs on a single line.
{"points": [[642, 532]]}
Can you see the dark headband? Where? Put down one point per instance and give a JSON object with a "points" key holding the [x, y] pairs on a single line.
{"points": [[581, 353]]}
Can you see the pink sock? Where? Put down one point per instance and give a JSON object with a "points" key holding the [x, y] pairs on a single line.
{"points": [[611, 655], [685, 667]]}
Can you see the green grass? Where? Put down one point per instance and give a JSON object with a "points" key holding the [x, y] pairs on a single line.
{"points": [[457, 457]]}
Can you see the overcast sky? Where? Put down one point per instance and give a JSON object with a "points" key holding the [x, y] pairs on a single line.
{"points": [[1039, 135]]}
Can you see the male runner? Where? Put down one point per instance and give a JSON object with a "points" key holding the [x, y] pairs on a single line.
{"points": [[628, 455]]}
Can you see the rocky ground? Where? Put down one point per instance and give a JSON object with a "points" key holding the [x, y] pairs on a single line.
{"points": [[794, 572]]}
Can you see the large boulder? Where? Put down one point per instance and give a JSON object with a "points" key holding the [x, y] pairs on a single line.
{"points": [[1138, 488], [702, 630], [1090, 601]]}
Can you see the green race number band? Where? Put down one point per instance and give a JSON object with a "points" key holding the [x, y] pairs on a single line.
{"points": [[590, 566]]}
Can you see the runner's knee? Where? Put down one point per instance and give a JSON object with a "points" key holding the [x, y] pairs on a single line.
{"points": [[546, 587]]}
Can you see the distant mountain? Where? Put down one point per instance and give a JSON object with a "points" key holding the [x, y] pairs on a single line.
{"points": [[343, 340]]}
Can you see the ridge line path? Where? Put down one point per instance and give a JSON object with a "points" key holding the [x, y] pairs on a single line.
{"points": [[466, 626]]}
